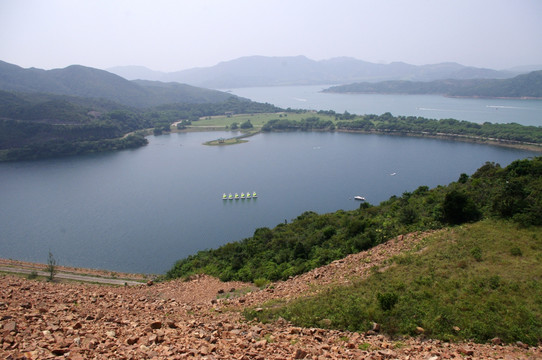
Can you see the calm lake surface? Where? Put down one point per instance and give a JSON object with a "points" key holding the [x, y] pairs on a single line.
{"points": [[525, 112], [141, 210]]}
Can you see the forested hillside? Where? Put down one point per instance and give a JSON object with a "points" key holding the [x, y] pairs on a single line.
{"points": [[35, 126]]}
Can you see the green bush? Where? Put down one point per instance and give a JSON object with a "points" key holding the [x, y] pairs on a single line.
{"points": [[387, 300]]}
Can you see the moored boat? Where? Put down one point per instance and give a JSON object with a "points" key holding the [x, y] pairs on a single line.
{"points": [[360, 198], [224, 197]]}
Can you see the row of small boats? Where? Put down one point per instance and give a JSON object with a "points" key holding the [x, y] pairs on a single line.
{"points": [[248, 195]]}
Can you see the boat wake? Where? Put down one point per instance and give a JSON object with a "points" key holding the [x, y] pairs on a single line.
{"points": [[506, 107]]}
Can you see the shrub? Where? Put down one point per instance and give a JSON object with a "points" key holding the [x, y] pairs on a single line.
{"points": [[387, 300], [476, 253], [33, 275], [260, 282], [51, 267]]}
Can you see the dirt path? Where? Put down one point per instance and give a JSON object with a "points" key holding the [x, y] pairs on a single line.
{"points": [[75, 277]]}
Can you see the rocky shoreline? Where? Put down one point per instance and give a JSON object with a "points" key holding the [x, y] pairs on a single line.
{"points": [[201, 319]]}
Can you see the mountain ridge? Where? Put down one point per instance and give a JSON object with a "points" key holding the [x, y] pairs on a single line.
{"points": [[299, 70], [82, 81]]}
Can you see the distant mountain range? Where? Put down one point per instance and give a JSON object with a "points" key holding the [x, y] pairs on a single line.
{"points": [[88, 82], [522, 86], [299, 70]]}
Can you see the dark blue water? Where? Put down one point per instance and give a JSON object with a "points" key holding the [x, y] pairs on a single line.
{"points": [[525, 112], [141, 210]]}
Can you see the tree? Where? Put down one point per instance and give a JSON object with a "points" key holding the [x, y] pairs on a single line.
{"points": [[246, 125], [51, 266], [459, 208]]}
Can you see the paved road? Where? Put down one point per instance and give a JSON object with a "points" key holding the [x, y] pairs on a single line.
{"points": [[69, 276]]}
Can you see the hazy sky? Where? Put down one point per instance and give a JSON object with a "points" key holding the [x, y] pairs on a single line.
{"points": [[173, 35]]}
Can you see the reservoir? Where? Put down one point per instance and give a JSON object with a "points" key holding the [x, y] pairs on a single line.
{"points": [[141, 210]]}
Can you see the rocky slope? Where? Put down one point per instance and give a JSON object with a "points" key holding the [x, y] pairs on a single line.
{"points": [[201, 319]]}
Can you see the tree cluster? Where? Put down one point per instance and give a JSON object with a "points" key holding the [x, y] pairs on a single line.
{"points": [[413, 125], [309, 123]]}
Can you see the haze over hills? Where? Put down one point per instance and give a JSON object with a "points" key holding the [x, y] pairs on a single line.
{"points": [[522, 86], [300, 70], [82, 81]]}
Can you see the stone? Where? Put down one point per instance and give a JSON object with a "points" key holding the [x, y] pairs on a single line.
{"points": [[156, 325], [465, 351], [132, 340], [153, 339], [496, 341], [300, 354], [260, 344], [10, 326], [59, 352]]}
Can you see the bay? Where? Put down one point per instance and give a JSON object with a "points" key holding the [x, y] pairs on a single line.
{"points": [[524, 112], [141, 210]]}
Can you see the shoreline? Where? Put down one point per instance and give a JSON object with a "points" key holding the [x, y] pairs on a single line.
{"points": [[513, 144], [443, 95]]}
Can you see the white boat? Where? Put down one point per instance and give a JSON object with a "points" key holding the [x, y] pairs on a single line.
{"points": [[360, 198], [230, 197], [248, 195], [393, 174], [236, 196], [224, 196], [254, 194], [242, 195]]}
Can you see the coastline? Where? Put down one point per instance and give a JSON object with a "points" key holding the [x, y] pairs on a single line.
{"points": [[327, 91], [443, 136], [457, 137]]}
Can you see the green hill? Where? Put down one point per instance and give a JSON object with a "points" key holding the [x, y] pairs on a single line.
{"points": [[81, 81], [522, 86], [475, 282]]}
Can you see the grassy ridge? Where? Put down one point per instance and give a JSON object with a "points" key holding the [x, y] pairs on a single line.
{"points": [[477, 281]]}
